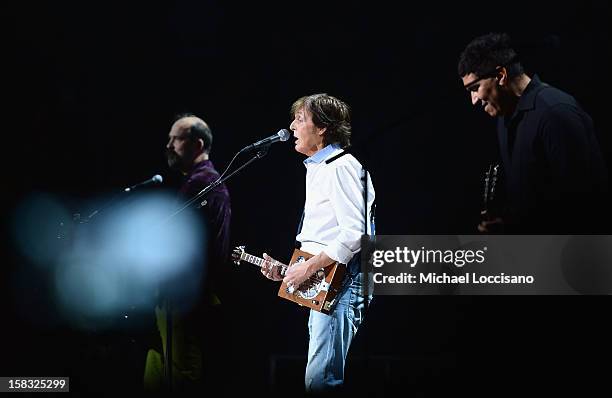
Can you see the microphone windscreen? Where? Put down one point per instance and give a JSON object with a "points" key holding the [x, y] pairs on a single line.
{"points": [[284, 134]]}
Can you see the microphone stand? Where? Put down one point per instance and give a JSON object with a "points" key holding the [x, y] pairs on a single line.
{"points": [[260, 154], [120, 196], [168, 354]]}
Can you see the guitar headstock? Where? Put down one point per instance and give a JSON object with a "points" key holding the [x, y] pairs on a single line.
{"points": [[490, 185], [237, 254], [493, 182]]}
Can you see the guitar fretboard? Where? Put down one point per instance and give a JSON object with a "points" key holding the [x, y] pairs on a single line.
{"points": [[253, 259], [260, 262]]}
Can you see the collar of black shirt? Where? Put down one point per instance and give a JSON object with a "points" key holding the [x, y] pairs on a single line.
{"points": [[528, 99]]}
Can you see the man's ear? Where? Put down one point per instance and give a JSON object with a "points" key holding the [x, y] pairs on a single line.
{"points": [[200, 144], [322, 131], [502, 76]]}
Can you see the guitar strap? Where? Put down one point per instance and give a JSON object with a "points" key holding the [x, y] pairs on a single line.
{"points": [[336, 157], [298, 244]]}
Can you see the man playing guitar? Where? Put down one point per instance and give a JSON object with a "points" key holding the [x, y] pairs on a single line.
{"points": [[331, 231]]}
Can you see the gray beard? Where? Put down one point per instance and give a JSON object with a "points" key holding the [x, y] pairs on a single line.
{"points": [[174, 161]]}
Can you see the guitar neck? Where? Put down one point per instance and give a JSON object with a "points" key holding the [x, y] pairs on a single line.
{"points": [[490, 182], [260, 262]]}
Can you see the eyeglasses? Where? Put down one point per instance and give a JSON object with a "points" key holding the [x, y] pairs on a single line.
{"points": [[473, 85]]}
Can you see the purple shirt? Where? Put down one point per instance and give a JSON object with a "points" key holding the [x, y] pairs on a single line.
{"points": [[217, 212]]}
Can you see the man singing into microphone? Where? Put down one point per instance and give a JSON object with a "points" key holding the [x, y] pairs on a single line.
{"points": [[331, 230], [194, 338]]}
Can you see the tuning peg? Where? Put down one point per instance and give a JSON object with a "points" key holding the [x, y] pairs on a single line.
{"points": [[237, 254]]}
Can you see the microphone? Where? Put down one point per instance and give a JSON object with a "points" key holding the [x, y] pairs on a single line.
{"points": [[282, 135], [156, 179]]}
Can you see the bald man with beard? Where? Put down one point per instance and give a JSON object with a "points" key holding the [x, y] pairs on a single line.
{"points": [[197, 334]]}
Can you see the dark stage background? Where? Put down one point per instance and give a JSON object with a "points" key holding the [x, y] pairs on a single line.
{"points": [[90, 93]]}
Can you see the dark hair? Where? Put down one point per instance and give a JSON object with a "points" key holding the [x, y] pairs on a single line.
{"points": [[485, 53], [330, 113], [198, 130]]}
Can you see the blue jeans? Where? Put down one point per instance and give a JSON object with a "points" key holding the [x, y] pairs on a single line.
{"points": [[331, 336]]}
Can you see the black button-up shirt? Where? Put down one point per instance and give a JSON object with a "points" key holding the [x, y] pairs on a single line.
{"points": [[552, 163]]}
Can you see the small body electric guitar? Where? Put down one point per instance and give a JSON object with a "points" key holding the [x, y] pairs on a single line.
{"points": [[319, 292]]}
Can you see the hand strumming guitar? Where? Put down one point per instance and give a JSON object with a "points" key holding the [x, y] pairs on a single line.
{"points": [[299, 273]]}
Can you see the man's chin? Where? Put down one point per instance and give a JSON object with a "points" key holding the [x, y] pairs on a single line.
{"points": [[299, 149], [174, 165], [492, 112]]}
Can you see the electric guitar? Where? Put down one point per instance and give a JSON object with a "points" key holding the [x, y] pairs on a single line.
{"points": [[319, 292]]}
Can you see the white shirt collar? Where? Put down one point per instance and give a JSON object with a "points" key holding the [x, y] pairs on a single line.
{"points": [[322, 154]]}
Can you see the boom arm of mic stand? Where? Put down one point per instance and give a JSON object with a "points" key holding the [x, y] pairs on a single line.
{"points": [[260, 154], [115, 200]]}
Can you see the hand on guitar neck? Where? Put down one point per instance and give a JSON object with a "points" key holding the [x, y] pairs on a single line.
{"points": [[271, 268]]}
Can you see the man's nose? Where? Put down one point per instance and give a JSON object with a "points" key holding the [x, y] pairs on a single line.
{"points": [[475, 98], [292, 126], [169, 145]]}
